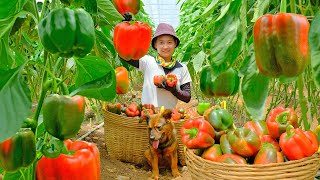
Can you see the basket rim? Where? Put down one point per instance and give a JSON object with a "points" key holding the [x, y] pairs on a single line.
{"points": [[190, 153]]}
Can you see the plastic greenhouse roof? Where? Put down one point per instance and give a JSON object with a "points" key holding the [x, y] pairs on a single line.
{"points": [[166, 11]]}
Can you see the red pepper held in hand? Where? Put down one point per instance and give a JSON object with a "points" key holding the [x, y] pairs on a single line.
{"points": [[171, 80], [197, 133], [158, 80], [278, 120], [84, 164]]}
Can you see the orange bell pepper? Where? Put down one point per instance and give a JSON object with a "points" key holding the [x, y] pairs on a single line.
{"points": [[122, 80]]}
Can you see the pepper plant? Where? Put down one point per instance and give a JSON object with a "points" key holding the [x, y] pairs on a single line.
{"points": [[219, 34], [55, 47]]}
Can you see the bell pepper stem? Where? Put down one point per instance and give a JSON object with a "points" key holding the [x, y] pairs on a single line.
{"points": [[303, 103], [282, 117], [289, 133], [193, 132]]}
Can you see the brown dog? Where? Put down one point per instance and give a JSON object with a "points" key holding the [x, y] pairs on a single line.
{"points": [[163, 149]]}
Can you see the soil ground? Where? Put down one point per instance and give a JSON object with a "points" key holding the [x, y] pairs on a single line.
{"points": [[115, 169]]}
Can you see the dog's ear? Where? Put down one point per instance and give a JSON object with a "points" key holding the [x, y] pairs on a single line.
{"points": [[144, 118], [167, 113]]}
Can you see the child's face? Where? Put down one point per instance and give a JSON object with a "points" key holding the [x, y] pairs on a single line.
{"points": [[165, 45]]}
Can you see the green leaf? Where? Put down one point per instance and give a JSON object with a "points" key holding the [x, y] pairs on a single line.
{"points": [[187, 55], [16, 175], [10, 7], [198, 61], [106, 41], [95, 78], [108, 12], [254, 89], [6, 60], [209, 9], [314, 41], [15, 101], [260, 7], [7, 23], [224, 10], [53, 148], [91, 6], [227, 39]]}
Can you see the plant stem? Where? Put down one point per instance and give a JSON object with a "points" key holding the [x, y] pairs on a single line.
{"points": [[303, 103], [293, 6], [34, 2], [43, 90]]}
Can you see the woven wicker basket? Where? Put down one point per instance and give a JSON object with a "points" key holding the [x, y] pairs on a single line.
{"points": [[178, 125], [127, 139], [304, 169]]}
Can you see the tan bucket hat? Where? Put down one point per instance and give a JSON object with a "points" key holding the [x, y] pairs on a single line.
{"points": [[164, 28]]}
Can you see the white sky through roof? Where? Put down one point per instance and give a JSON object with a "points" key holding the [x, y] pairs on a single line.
{"points": [[163, 11]]}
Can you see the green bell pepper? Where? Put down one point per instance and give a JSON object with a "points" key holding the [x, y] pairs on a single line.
{"points": [[18, 151], [220, 119], [63, 115], [224, 84], [202, 107], [225, 145], [67, 32]]}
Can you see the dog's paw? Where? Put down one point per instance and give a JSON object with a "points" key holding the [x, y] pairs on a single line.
{"points": [[156, 177], [176, 173]]}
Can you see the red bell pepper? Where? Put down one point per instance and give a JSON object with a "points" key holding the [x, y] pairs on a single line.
{"points": [[271, 140], [146, 112], [158, 80], [281, 44], [278, 120], [211, 153], [244, 141], [132, 110], [132, 40], [297, 144], [124, 6], [197, 133], [260, 127], [84, 164], [268, 154], [171, 80], [175, 116], [231, 159]]}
